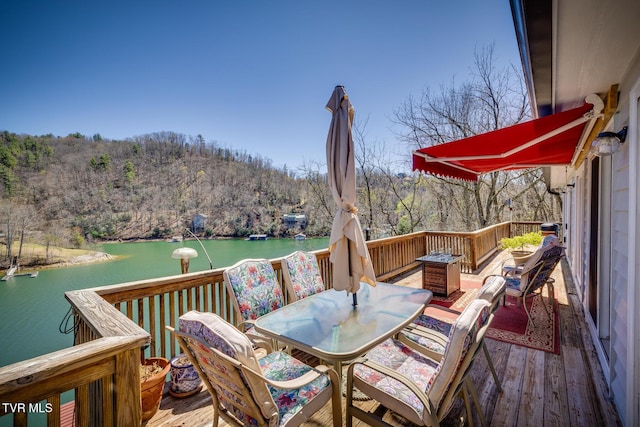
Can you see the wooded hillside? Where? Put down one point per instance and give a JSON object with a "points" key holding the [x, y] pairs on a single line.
{"points": [[146, 187], [73, 190]]}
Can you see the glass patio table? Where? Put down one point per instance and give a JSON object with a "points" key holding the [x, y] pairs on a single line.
{"points": [[327, 325]]}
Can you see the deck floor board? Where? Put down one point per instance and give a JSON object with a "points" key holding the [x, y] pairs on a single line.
{"points": [[539, 388]]}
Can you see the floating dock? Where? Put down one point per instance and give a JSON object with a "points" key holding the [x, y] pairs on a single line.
{"points": [[12, 273]]}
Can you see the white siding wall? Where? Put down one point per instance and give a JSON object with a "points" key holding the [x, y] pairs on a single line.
{"points": [[619, 275]]}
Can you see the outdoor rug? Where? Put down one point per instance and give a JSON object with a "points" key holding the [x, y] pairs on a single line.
{"points": [[510, 323]]}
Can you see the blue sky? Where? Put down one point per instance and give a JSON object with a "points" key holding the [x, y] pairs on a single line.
{"points": [[249, 75]]}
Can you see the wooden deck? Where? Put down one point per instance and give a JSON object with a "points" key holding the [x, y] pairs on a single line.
{"points": [[540, 389]]}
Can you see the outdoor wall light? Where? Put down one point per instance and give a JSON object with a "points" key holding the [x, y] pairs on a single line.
{"points": [[608, 143]]}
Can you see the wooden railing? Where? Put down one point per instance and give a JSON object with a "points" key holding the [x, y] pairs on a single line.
{"points": [[112, 324], [103, 370]]}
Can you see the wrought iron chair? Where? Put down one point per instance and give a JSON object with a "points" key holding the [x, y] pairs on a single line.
{"points": [[301, 275], [534, 276], [416, 386], [432, 333], [255, 291], [275, 390]]}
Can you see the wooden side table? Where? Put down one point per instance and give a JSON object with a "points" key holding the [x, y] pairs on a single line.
{"points": [[441, 273]]}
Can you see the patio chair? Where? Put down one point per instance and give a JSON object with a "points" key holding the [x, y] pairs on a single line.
{"points": [[515, 269], [432, 333], [301, 275], [416, 386], [533, 277], [254, 290], [275, 390]]}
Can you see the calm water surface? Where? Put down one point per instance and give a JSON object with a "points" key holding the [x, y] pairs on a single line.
{"points": [[32, 309]]}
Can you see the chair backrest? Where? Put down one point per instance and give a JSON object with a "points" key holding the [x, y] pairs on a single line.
{"points": [[464, 341], [546, 261], [227, 364], [301, 275], [255, 289], [493, 289]]}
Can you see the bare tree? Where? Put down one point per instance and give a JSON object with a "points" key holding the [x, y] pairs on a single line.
{"points": [[494, 98]]}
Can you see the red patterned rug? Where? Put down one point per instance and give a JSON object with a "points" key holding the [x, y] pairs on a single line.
{"points": [[510, 323]]}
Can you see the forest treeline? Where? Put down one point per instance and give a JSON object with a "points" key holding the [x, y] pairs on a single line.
{"points": [[69, 191]]}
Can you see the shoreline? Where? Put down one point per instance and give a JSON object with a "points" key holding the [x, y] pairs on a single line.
{"points": [[90, 258]]}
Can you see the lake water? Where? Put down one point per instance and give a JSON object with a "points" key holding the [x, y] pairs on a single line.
{"points": [[31, 309]]}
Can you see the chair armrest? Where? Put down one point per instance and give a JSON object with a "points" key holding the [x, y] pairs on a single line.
{"points": [[246, 324], [425, 333], [261, 343], [301, 381]]}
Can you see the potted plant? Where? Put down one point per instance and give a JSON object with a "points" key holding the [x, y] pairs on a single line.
{"points": [[185, 380], [520, 246], [153, 375]]}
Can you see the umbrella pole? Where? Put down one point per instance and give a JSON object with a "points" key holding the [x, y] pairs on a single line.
{"points": [[354, 295]]}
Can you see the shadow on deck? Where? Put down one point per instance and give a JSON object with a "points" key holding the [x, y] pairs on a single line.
{"points": [[539, 388]]}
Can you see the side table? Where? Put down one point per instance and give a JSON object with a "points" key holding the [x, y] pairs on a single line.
{"points": [[441, 273]]}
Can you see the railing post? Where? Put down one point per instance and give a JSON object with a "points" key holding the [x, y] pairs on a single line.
{"points": [[473, 252], [128, 404]]}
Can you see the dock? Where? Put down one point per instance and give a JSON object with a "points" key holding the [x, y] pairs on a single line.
{"points": [[12, 273]]}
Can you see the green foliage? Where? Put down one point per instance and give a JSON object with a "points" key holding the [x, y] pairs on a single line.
{"points": [[129, 171], [159, 233], [519, 242], [78, 240], [8, 179], [100, 164]]}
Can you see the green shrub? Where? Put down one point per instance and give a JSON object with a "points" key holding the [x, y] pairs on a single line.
{"points": [[519, 242]]}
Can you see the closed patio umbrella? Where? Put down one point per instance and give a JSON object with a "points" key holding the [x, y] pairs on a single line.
{"points": [[348, 249]]}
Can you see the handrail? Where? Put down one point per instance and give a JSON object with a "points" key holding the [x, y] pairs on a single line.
{"points": [[106, 360], [114, 322]]}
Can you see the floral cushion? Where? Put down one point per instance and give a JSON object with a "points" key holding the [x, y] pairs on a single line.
{"points": [[225, 338], [432, 377], [280, 366], [255, 286], [302, 275], [405, 361], [463, 334]]}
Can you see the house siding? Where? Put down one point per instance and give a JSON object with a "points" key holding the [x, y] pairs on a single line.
{"points": [[619, 278]]}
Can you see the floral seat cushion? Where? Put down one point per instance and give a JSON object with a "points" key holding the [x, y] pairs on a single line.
{"points": [[407, 362], [302, 274], [277, 366], [255, 286], [280, 366], [434, 378], [222, 336]]}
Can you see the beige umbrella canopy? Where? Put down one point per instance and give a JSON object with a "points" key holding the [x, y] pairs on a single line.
{"points": [[349, 253]]}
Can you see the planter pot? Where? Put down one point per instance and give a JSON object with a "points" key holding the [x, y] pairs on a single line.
{"points": [[521, 257], [152, 387], [184, 377]]}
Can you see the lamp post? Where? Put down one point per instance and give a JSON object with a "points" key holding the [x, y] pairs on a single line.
{"points": [[184, 255]]}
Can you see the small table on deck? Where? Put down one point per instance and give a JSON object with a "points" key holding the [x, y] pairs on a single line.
{"points": [[327, 325], [441, 273]]}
